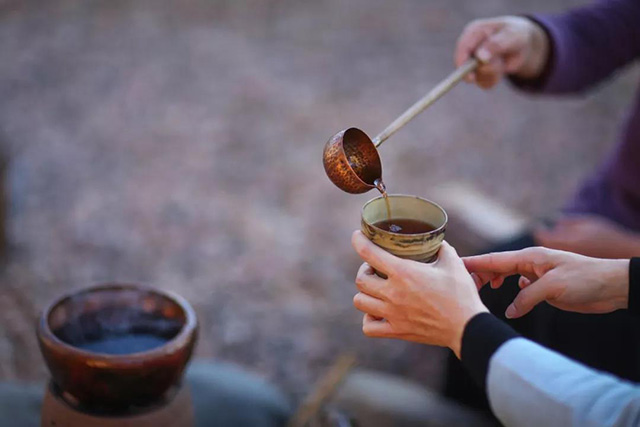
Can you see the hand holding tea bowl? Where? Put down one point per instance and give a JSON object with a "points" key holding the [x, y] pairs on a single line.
{"points": [[419, 302], [115, 346]]}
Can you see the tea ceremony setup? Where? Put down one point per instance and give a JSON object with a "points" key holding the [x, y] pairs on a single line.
{"points": [[340, 213]]}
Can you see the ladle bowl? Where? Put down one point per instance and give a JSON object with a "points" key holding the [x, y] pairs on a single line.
{"points": [[351, 161]]}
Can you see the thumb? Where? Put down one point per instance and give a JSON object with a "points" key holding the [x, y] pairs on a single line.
{"points": [[472, 36], [448, 254], [497, 46], [528, 298]]}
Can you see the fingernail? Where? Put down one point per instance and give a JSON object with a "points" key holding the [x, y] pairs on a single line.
{"points": [[483, 55], [511, 312]]}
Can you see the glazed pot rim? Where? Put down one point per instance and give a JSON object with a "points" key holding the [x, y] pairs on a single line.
{"points": [[407, 196], [46, 337]]}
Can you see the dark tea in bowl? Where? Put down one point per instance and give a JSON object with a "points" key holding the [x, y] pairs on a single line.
{"points": [[411, 228], [404, 226], [114, 347]]}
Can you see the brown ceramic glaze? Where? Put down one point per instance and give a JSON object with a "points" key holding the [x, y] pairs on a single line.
{"points": [[174, 412], [116, 381], [422, 247], [351, 161]]}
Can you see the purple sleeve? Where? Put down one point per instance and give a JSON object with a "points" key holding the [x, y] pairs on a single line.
{"points": [[588, 44]]}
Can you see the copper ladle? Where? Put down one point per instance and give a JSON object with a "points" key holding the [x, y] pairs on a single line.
{"points": [[351, 158]]}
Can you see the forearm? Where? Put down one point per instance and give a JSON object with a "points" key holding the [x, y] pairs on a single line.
{"points": [[633, 245], [587, 45], [529, 385]]}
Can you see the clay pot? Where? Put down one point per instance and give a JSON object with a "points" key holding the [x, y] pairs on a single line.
{"points": [[115, 381]]}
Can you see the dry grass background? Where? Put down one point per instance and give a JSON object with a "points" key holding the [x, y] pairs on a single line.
{"points": [[178, 143]]}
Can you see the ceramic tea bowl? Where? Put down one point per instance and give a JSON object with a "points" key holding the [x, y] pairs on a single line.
{"points": [[93, 378], [421, 247]]}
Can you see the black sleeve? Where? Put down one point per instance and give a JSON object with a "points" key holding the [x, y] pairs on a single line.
{"points": [[482, 337], [634, 286]]}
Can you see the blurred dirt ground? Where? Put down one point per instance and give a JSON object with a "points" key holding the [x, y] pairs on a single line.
{"points": [[178, 143]]}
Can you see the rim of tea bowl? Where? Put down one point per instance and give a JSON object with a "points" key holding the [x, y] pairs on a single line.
{"points": [[421, 247], [112, 379], [399, 196]]}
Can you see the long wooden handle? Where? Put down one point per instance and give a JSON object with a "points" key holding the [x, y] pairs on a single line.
{"points": [[323, 390], [436, 93]]}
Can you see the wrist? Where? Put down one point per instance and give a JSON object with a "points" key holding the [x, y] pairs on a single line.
{"points": [[634, 245], [617, 279], [538, 56], [483, 336], [460, 326]]}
